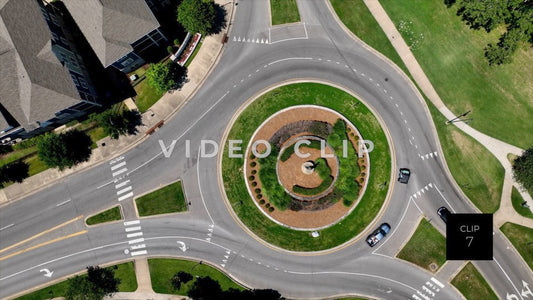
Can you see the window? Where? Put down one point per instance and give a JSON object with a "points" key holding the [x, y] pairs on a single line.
{"points": [[127, 62], [83, 83], [75, 80]]}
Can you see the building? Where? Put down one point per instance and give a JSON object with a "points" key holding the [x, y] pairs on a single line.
{"points": [[43, 81], [120, 32]]}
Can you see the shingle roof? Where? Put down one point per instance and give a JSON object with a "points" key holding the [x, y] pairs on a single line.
{"points": [[33, 85], [111, 26]]}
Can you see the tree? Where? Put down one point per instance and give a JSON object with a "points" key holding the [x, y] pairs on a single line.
{"points": [[197, 16], [4, 149], [65, 149], [165, 76], [16, 172], [483, 14], [176, 42], [501, 54], [179, 278], [205, 288], [523, 169], [116, 123], [96, 285]]}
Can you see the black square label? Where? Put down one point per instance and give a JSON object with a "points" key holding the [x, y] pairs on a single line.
{"points": [[469, 237]]}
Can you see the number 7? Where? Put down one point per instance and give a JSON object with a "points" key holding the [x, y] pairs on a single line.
{"points": [[470, 238]]}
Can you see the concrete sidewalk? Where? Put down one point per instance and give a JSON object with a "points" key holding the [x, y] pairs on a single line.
{"points": [[163, 109], [498, 148]]}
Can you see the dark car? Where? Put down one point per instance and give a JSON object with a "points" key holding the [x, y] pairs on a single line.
{"points": [[443, 213], [378, 234], [404, 175]]}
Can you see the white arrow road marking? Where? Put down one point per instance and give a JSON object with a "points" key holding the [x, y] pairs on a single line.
{"points": [[182, 246], [47, 272], [512, 297], [527, 290]]}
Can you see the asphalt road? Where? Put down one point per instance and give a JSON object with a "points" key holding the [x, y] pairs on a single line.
{"points": [[318, 50]]}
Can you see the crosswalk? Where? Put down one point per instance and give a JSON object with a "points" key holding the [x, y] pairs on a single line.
{"points": [[243, 39], [429, 290], [118, 167], [135, 239]]}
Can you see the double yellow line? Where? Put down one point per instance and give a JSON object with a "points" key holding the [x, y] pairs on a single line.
{"points": [[44, 243]]}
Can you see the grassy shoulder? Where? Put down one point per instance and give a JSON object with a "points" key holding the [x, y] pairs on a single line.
{"points": [[125, 272], [146, 95], [426, 246], [472, 284], [478, 173], [112, 214], [522, 239], [168, 199], [457, 68], [299, 94], [284, 11], [517, 201], [162, 270]]}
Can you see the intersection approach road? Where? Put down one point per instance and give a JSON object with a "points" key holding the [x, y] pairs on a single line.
{"points": [[316, 49]]}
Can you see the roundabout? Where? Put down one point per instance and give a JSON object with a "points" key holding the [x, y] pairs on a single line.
{"points": [[305, 169]]}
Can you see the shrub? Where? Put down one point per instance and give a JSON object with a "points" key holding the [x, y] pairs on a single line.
{"points": [[253, 164], [271, 209], [267, 205], [170, 50], [254, 184], [254, 172], [262, 201], [176, 42], [251, 178], [259, 196], [257, 191]]}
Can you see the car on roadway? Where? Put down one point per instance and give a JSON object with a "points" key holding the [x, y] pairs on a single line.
{"points": [[443, 213], [378, 234], [404, 175]]}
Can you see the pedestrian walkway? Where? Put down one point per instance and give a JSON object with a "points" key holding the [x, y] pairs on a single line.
{"points": [[498, 148], [163, 109]]}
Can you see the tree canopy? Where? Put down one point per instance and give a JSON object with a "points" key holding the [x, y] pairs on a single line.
{"points": [[65, 149], [515, 15], [16, 172], [523, 169], [198, 16], [165, 76], [208, 288], [97, 284], [116, 123]]}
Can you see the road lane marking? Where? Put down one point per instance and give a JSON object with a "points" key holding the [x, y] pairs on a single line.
{"points": [[63, 203], [200, 188], [116, 160], [42, 233], [140, 246], [136, 228], [6, 227], [118, 186], [449, 205], [135, 234], [136, 241], [142, 252], [125, 196], [437, 282], [113, 168], [122, 191], [120, 172], [43, 244], [135, 222], [508, 278]]}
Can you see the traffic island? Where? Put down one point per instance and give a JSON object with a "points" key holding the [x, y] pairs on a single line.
{"points": [[315, 214]]}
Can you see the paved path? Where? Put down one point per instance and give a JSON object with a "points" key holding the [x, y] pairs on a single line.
{"points": [[498, 148], [163, 109]]}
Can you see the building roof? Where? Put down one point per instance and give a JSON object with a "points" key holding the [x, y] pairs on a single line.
{"points": [[34, 85], [111, 26]]}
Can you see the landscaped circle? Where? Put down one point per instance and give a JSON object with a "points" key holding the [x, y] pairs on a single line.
{"points": [[252, 201], [308, 167]]}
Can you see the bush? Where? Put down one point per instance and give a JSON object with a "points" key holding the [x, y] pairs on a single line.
{"points": [[262, 201], [271, 209], [251, 178], [176, 42], [257, 191], [254, 184], [253, 164], [170, 50], [523, 169], [28, 143], [116, 123], [65, 149], [254, 172], [165, 76], [4, 149], [269, 180]]}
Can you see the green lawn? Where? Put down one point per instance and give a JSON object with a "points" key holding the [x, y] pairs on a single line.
{"points": [[168, 199], [146, 95], [426, 246], [452, 57], [162, 270], [35, 165], [284, 11], [112, 214], [125, 272], [522, 239], [17, 155], [96, 134], [356, 16], [474, 168], [472, 284], [360, 116], [517, 201]]}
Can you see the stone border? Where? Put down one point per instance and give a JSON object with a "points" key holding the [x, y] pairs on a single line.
{"points": [[348, 122]]}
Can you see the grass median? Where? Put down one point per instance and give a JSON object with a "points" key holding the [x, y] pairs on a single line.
{"points": [[162, 270], [427, 246], [284, 11], [472, 284], [168, 199], [112, 214], [299, 94], [522, 239], [475, 169]]}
